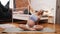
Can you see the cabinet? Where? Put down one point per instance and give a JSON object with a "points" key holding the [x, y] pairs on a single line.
{"points": [[50, 19]]}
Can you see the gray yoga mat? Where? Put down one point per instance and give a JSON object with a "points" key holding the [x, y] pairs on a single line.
{"points": [[46, 29]]}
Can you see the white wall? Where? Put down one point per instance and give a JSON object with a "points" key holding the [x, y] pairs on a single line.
{"points": [[11, 4], [49, 5], [4, 2]]}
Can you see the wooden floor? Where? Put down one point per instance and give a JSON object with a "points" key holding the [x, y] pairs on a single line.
{"points": [[56, 27]]}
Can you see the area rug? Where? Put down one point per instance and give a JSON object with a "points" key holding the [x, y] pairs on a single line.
{"points": [[12, 28], [21, 30]]}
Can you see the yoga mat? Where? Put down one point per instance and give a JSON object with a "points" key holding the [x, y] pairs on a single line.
{"points": [[20, 30], [12, 28]]}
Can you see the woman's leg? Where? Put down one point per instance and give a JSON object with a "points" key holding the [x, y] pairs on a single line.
{"points": [[22, 26], [38, 27]]}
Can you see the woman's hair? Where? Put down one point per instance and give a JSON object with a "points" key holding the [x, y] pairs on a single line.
{"points": [[42, 11], [36, 11]]}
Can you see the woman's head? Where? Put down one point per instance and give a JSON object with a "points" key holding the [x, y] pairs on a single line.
{"points": [[40, 12]]}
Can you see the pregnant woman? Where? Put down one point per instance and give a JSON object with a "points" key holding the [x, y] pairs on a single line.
{"points": [[34, 18]]}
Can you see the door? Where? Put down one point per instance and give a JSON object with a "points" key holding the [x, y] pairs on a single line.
{"points": [[58, 12]]}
